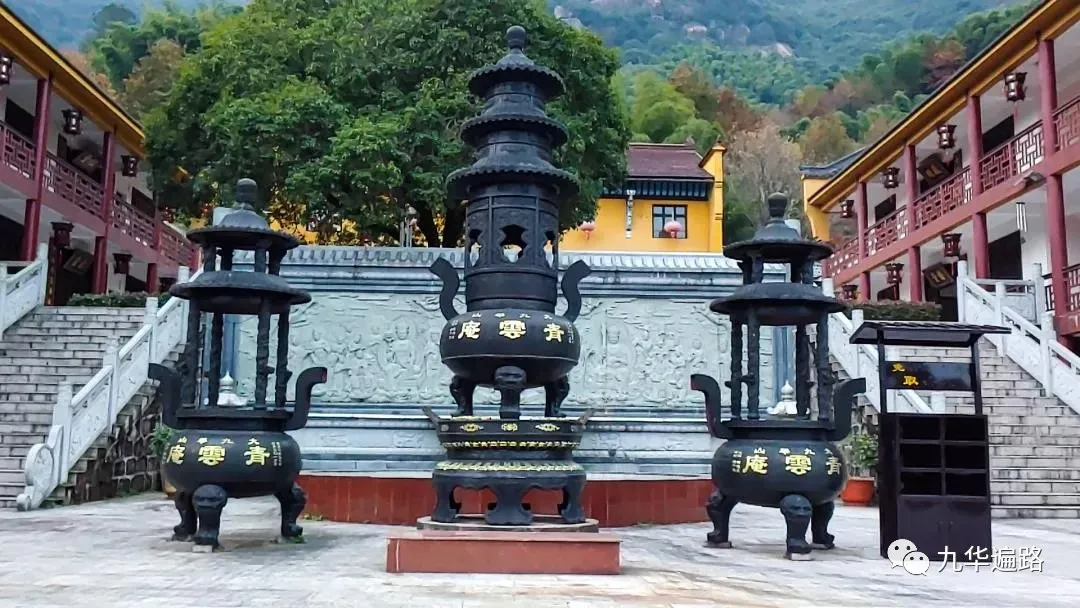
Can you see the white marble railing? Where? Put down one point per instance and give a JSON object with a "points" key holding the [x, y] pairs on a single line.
{"points": [[861, 361], [1033, 347], [79, 419], [23, 291]]}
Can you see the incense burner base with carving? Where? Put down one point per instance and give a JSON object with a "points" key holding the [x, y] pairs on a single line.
{"points": [[508, 457]]}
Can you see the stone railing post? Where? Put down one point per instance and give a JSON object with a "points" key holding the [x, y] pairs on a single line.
{"points": [[43, 273], [111, 360], [1046, 354], [961, 290], [150, 319], [1040, 292], [3, 298], [999, 314], [856, 321], [62, 418]]}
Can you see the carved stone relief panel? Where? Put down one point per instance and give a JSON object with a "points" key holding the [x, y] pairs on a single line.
{"points": [[383, 349]]}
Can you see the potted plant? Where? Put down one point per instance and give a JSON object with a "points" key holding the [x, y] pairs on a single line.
{"points": [[160, 442], [862, 462]]}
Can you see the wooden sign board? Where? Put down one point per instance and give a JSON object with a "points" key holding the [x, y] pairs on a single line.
{"points": [[928, 376]]}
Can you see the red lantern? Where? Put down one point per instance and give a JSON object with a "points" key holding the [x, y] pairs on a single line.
{"points": [[1014, 86], [121, 263], [847, 209], [5, 69], [892, 273], [62, 234], [951, 242], [673, 228], [129, 165], [850, 292], [587, 228]]}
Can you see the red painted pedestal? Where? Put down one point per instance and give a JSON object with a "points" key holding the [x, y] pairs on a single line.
{"points": [[502, 552], [614, 502]]}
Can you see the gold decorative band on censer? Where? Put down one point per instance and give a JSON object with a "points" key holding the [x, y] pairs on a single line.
{"points": [[448, 465], [510, 444]]}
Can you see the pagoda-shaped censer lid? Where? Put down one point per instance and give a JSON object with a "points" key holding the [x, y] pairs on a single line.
{"points": [[513, 135], [243, 293], [776, 242], [797, 302]]}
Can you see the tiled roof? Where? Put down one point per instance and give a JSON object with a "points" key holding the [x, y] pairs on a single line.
{"points": [[664, 161], [831, 169]]}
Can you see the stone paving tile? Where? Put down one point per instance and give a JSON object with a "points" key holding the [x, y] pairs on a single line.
{"points": [[115, 554]]}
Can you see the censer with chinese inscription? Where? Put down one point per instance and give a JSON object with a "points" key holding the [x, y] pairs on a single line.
{"points": [[792, 463], [509, 338], [235, 451]]}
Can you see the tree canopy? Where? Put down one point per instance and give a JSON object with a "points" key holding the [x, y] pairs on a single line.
{"points": [[352, 109]]}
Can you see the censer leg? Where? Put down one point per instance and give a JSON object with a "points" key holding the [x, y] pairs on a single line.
{"points": [[188, 520], [293, 501], [796, 510], [570, 509], [508, 509], [209, 501], [719, 509], [446, 508], [819, 526]]}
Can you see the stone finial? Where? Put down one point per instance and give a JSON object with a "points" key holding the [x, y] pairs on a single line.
{"points": [[515, 38], [786, 406]]}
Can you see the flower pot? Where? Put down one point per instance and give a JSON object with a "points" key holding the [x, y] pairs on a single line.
{"points": [[859, 491], [166, 485]]}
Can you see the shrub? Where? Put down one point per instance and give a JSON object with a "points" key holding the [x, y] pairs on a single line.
{"points": [[116, 300], [864, 453], [899, 311]]}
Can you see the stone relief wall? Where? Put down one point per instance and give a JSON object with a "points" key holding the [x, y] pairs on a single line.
{"points": [[383, 349]]}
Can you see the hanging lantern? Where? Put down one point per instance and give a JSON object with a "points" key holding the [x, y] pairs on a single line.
{"points": [[587, 228], [62, 234], [891, 177], [951, 241], [121, 263], [72, 122], [167, 214], [892, 273], [5, 69], [1021, 216], [847, 209], [129, 165], [1014, 86], [673, 228], [946, 137], [850, 292]]}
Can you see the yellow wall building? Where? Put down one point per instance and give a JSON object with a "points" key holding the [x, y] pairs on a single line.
{"points": [[665, 183]]}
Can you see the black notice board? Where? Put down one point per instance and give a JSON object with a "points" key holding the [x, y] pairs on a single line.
{"points": [[929, 376]]}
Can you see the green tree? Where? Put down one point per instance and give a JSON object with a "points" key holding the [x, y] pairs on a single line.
{"points": [[825, 140], [353, 108], [659, 109], [150, 81]]}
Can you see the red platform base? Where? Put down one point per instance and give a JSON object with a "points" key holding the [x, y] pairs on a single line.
{"points": [[502, 552], [613, 502]]}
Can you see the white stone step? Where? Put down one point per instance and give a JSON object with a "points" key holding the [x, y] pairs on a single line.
{"points": [[1043, 512], [1037, 499], [1033, 450], [1035, 487], [1034, 473], [999, 440]]}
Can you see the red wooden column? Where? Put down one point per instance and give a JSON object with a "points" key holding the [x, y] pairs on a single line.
{"points": [[980, 239], [911, 188], [861, 219], [108, 190], [152, 282], [1055, 195], [32, 215]]}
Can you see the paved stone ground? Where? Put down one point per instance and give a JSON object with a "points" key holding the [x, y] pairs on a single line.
{"points": [[115, 554]]}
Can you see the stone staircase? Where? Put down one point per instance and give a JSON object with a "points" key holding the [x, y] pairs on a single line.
{"points": [[44, 349], [1034, 439]]}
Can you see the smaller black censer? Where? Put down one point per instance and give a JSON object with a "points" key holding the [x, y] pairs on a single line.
{"points": [[791, 464], [509, 338], [219, 451]]}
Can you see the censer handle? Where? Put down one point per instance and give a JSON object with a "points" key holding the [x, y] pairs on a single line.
{"points": [[305, 383], [450, 283], [169, 388], [570, 280], [843, 401]]}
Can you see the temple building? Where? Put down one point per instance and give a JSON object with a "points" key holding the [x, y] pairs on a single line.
{"points": [[72, 175], [672, 201], [983, 170]]}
